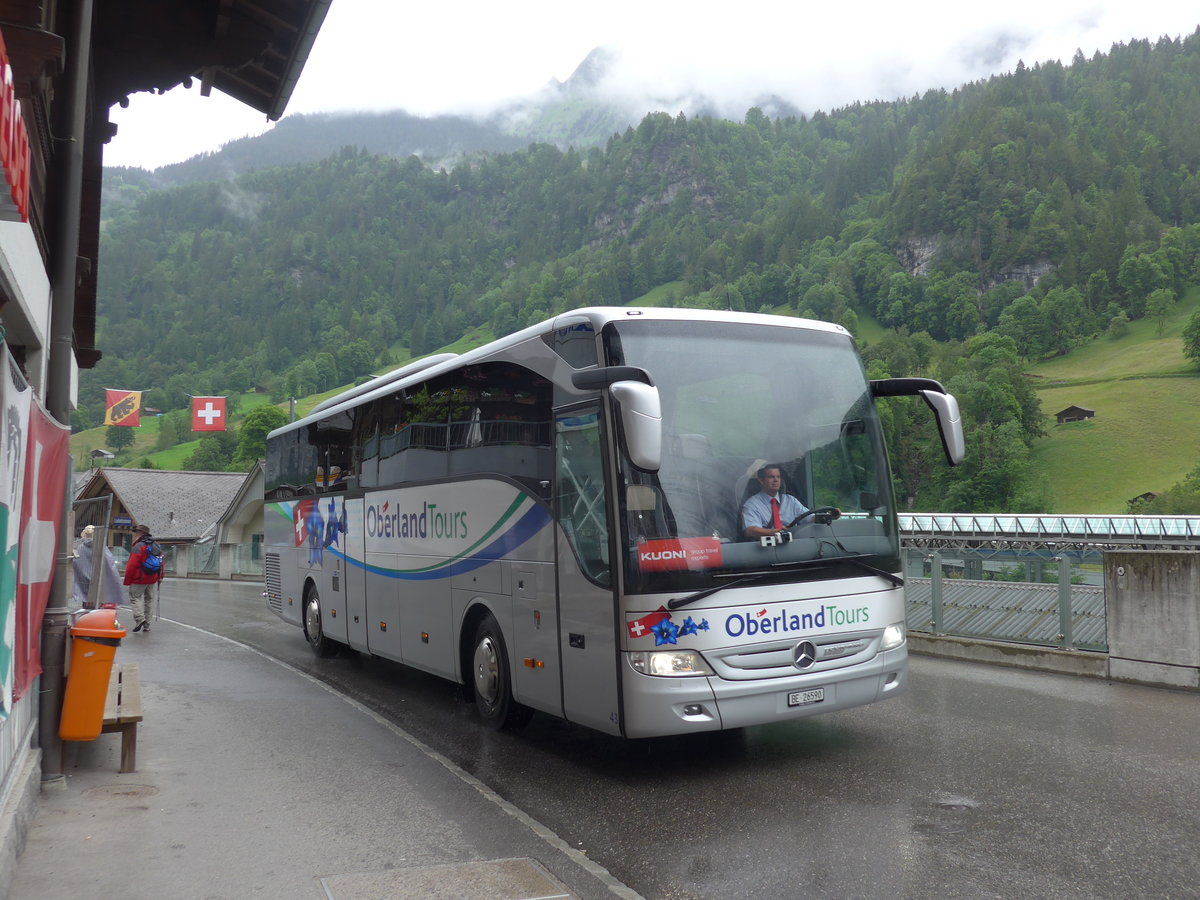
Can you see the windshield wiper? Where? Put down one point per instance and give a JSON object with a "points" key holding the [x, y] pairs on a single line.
{"points": [[821, 562], [867, 567], [677, 602], [855, 560]]}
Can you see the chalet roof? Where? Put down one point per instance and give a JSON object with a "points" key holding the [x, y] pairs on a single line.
{"points": [[176, 506], [1071, 409], [252, 50]]}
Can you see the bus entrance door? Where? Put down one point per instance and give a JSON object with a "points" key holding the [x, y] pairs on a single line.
{"points": [[586, 605]]}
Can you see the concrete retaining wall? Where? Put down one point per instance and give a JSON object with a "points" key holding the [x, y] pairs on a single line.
{"points": [[1152, 608], [18, 803], [1017, 656], [1152, 603]]}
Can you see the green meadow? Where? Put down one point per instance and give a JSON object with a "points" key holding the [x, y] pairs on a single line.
{"points": [[1146, 433]]}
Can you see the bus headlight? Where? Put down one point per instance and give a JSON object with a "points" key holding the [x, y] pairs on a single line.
{"points": [[671, 663], [893, 636]]}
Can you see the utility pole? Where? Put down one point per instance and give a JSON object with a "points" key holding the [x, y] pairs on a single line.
{"points": [[69, 131]]}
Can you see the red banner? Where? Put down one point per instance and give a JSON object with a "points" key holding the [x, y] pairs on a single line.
{"points": [[208, 414], [122, 407], [683, 553], [15, 399], [46, 462]]}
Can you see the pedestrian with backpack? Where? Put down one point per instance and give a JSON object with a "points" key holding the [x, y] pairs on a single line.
{"points": [[143, 570]]}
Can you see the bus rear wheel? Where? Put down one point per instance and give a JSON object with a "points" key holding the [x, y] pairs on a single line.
{"points": [[313, 632], [492, 678]]}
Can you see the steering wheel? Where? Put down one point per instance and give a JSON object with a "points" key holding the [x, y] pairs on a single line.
{"points": [[831, 511]]}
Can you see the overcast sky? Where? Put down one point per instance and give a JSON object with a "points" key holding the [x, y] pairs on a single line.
{"points": [[470, 56]]}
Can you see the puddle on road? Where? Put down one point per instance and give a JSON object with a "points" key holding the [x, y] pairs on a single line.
{"points": [[945, 815]]}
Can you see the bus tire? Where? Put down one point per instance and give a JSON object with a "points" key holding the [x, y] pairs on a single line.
{"points": [[313, 631], [492, 679]]}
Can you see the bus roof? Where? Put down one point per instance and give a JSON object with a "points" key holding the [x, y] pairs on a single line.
{"points": [[597, 316]]}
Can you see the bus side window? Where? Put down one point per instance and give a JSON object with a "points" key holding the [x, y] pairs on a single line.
{"points": [[366, 443], [504, 426], [333, 439], [413, 443]]}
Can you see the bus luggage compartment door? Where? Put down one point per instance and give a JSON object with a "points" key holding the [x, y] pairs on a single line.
{"points": [[356, 578], [588, 645], [536, 670]]}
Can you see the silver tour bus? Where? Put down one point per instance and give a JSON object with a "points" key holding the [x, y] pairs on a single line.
{"points": [[554, 521]]}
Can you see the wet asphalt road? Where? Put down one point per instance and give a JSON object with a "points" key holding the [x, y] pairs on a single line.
{"points": [[980, 782]]}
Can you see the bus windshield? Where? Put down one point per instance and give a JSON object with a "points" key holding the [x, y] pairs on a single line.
{"points": [[738, 399]]}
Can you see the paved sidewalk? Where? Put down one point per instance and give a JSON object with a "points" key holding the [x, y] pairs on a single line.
{"points": [[255, 780]]}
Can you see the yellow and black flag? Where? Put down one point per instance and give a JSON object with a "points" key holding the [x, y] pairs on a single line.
{"points": [[122, 407]]}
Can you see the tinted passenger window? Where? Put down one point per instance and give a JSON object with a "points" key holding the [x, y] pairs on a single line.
{"points": [[575, 343], [492, 417]]}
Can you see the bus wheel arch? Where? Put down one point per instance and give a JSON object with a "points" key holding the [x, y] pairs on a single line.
{"points": [[489, 672], [314, 631], [466, 648]]}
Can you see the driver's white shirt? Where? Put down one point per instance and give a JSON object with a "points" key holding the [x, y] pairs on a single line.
{"points": [[757, 510]]}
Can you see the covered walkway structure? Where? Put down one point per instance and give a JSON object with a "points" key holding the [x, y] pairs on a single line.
{"points": [[955, 530], [1033, 579]]}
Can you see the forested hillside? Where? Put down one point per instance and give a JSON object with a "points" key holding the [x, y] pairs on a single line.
{"points": [[1000, 224], [310, 138]]}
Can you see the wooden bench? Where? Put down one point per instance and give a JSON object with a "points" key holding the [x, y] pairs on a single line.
{"points": [[123, 711]]}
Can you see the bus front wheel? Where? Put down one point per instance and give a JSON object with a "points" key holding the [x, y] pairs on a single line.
{"points": [[313, 632], [493, 679]]}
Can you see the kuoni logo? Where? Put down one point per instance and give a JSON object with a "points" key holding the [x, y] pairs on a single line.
{"points": [[679, 554]]}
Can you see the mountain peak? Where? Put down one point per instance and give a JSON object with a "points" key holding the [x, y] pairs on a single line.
{"points": [[596, 66]]}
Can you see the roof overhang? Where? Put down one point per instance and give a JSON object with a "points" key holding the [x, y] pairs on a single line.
{"points": [[252, 50]]}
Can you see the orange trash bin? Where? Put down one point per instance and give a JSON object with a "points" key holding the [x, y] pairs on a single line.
{"points": [[95, 637]]}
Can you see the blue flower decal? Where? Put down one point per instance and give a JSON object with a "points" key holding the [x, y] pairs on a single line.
{"points": [[688, 627], [316, 527], [331, 525], [665, 632]]}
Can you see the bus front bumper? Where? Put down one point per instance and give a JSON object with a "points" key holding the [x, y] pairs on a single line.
{"points": [[661, 706]]}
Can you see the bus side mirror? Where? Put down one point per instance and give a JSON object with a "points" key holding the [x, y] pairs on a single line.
{"points": [[641, 409], [641, 421], [945, 410], [944, 406]]}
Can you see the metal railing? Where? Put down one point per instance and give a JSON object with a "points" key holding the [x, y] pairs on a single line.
{"points": [[1032, 596]]}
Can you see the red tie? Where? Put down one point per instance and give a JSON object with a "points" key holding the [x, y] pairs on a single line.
{"points": [[776, 522]]}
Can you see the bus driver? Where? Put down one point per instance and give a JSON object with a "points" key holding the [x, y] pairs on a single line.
{"points": [[770, 511]]}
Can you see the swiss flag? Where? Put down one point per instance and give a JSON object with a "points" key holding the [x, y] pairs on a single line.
{"points": [[641, 627], [302, 519], [208, 414]]}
